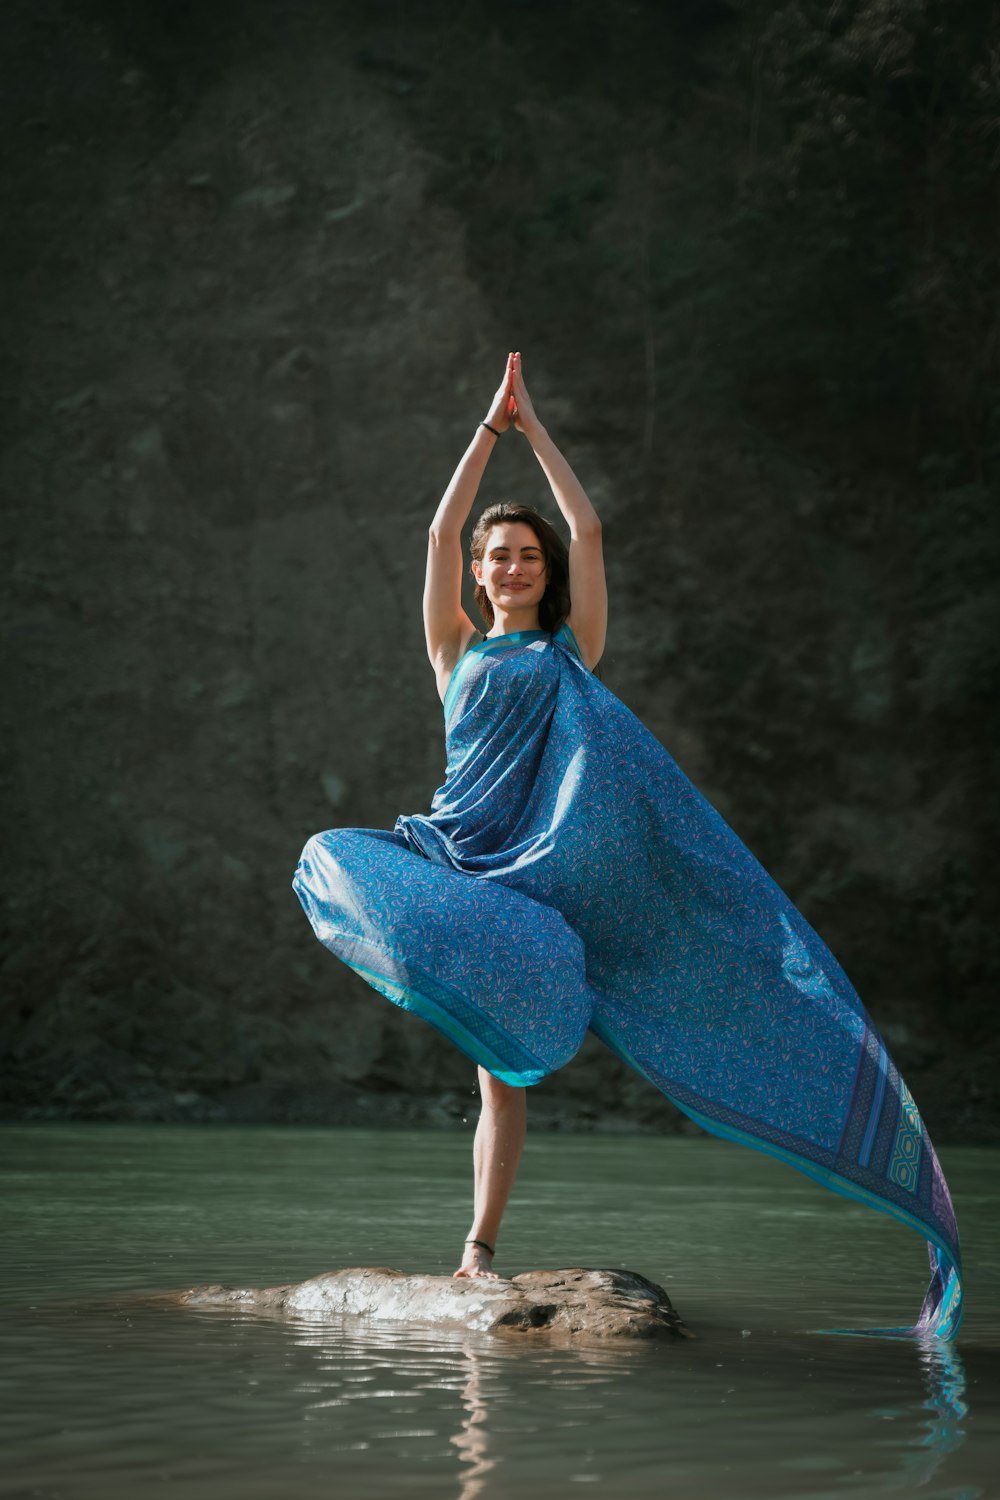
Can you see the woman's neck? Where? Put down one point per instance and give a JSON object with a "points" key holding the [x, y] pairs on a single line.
{"points": [[508, 621]]}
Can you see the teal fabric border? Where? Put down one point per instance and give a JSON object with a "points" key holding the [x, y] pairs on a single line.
{"points": [[828, 1179], [565, 630], [436, 1016], [487, 647]]}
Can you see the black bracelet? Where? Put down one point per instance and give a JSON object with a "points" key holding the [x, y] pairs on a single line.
{"points": [[489, 428]]}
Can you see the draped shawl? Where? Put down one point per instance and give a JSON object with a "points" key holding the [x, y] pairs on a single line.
{"points": [[569, 876]]}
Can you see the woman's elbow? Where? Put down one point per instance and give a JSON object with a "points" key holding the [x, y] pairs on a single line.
{"points": [[586, 529]]}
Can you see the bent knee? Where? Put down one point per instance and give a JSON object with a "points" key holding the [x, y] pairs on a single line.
{"points": [[329, 847]]}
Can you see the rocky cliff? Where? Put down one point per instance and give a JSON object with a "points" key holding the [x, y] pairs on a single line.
{"points": [[261, 272]]}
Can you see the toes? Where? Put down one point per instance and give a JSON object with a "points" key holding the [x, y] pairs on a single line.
{"points": [[477, 1273]]}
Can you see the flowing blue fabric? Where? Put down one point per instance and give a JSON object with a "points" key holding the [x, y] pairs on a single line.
{"points": [[569, 876]]}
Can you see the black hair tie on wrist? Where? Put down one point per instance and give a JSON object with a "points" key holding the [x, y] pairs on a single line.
{"points": [[489, 428]]}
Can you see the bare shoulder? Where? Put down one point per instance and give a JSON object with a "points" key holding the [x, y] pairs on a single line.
{"points": [[451, 652]]}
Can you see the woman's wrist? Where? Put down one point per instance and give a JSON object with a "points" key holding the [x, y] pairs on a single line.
{"points": [[490, 427]]}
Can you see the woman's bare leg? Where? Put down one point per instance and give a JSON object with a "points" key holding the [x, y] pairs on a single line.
{"points": [[496, 1155]]}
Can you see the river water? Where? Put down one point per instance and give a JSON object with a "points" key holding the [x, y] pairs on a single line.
{"points": [[104, 1396]]}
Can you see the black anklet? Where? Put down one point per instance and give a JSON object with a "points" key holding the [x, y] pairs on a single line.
{"points": [[482, 1245]]}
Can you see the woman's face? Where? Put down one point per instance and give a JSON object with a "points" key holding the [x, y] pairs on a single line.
{"points": [[512, 569]]}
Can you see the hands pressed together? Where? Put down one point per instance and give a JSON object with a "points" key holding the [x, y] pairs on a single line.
{"points": [[512, 402]]}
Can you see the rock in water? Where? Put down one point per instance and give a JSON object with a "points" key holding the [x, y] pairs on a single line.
{"points": [[563, 1304]]}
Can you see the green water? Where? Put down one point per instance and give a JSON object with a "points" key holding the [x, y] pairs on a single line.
{"points": [[103, 1396]]}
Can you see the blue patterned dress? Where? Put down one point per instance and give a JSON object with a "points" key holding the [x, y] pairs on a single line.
{"points": [[569, 876]]}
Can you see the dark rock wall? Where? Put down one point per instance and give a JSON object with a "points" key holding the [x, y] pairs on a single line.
{"points": [[261, 270]]}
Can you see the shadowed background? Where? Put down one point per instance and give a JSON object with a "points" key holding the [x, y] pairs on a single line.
{"points": [[262, 264]]}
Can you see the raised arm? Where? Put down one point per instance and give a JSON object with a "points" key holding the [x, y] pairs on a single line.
{"points": [[588, 590], [447, 627]]}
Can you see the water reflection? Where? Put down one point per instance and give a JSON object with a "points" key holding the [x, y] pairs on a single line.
{"points": [[471, 1438], [935, 1417], [945, 1403], [510, 1414], [110, 1396]]}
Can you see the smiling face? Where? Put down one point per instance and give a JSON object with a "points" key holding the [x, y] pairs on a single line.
{"points": [[513, 570]]}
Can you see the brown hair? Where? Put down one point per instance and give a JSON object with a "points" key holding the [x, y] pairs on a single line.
{"points": [[554, 606]]}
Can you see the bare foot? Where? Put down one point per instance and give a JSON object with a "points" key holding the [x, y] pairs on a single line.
{"points": [[477, 1262]]}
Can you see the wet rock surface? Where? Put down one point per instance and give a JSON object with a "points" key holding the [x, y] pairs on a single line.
{"points": [[564, 1304]]}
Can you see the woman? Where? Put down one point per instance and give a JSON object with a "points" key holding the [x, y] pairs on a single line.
{"points": [[569, 876]]}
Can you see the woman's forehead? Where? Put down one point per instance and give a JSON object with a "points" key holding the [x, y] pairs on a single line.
{"points": [[513, 534]]}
